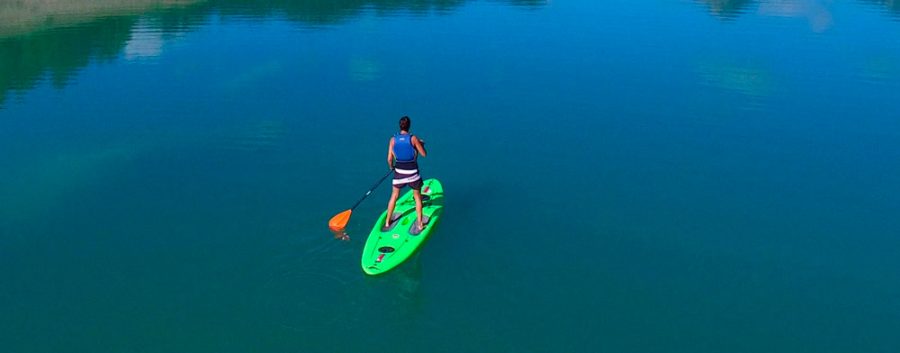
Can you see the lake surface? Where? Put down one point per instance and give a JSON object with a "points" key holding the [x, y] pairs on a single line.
{"points": [[621, 176]]}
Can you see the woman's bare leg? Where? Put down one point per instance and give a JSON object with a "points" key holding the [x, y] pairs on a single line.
{"points": [[390, 211], [418, 196]]}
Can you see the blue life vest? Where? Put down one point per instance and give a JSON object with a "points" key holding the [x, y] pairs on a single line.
{"points": [[403, 148]]}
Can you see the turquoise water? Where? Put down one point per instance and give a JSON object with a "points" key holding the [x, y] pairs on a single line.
{"points": [[664, 176]]}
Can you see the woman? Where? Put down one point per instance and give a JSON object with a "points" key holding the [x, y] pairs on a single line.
{"points": [[403, 151]]}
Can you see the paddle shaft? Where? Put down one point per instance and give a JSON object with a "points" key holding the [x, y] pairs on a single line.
{"points": [[371, 189]]}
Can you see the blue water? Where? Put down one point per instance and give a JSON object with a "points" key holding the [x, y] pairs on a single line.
{"points": [[678, 176]]}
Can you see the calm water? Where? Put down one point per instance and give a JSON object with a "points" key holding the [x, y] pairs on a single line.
{"points": [[622, 176]]}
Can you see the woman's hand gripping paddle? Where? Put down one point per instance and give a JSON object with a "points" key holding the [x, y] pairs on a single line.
{"points": [[339, 221]]}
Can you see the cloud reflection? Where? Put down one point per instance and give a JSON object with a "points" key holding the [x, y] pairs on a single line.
{"points": [[145, 42], [816, 12]]}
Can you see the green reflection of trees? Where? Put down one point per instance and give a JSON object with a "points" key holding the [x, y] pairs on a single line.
{"points": [[728, 9], [891, 5], [58, 55], [42, 39], [526, 3], [324, 12]]}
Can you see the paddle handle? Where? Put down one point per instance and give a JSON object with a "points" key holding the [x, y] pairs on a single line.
{"points": [[372, 189]]}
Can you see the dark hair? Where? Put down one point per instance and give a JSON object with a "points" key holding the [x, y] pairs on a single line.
{"points": [[404, 123]]}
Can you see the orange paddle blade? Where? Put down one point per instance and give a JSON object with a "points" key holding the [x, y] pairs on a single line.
{"points": [[339, 221]]}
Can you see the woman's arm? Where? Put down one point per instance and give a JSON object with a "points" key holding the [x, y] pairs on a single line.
{"points": [[390, 156], [420, 145]]}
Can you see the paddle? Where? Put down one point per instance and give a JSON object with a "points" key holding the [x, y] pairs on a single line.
{"points": [[339, 221]]}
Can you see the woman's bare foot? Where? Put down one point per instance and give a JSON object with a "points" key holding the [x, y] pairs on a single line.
{"points": [[393, 218], [422, 224]]}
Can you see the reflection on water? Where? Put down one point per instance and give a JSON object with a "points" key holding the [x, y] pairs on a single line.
{"points": [[52, 40], [20, 17], [40, 40], [527, 3], [891, 5], [727, 9], [145, 42], [815, 10], [58, 55]]}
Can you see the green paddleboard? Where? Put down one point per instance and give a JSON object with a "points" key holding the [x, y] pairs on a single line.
{"points": [[388, 248]]}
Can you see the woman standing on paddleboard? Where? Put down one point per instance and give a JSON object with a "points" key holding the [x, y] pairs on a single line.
{"points": [[403, 152]]}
